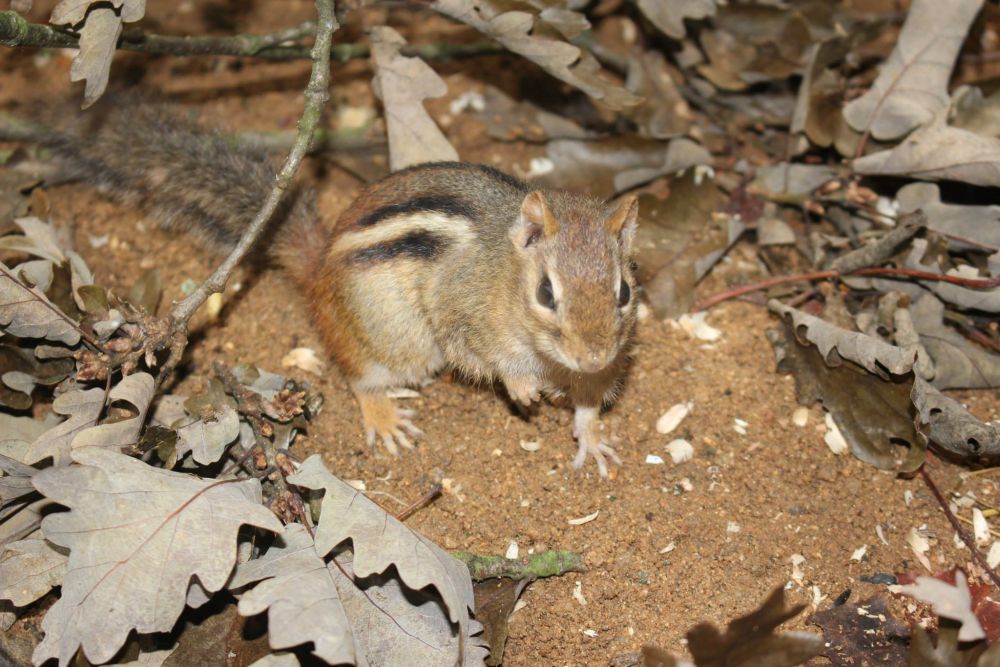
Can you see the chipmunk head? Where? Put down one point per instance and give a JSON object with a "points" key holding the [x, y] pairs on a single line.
{"points": [[577, 280]]}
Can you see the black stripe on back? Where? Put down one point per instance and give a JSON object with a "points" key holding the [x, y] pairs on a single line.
{"points": [[425, 203], [420, 244]]}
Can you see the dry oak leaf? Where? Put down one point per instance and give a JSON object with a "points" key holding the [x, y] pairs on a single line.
{"points": [[517, 31], [381, 541], [83, 407], [300, 596], [137, 537], [28, 313], [669, 15], [98, 38], [938, 152], [403, 83], [912, 87], [28, 570]]}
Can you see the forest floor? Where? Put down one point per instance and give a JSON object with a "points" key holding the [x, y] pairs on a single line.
{"points": [[672, 544]]}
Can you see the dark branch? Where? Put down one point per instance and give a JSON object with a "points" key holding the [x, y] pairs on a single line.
{"points": [[15, 30]]}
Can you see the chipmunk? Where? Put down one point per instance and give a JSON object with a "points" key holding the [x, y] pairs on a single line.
{"points": [[442, 265]]}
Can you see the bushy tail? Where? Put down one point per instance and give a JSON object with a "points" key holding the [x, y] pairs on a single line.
{"points": [[183, 175]]}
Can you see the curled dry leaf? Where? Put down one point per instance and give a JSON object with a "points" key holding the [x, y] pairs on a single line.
{"points": [[403, 83], [131, 563], [751, 639], [83, 408], [518, 31], [137, 390], [912, 86], [873, 398]]}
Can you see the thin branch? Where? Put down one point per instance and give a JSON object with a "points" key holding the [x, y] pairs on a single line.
{"points": [[420, 502], [889, 272], [316, 95], [15, 30], [962, 533]]}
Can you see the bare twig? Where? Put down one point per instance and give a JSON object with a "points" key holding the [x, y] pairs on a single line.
{"points": [[889, 272], [15, 30], [962, 533], [420, 502], [316, 95]]}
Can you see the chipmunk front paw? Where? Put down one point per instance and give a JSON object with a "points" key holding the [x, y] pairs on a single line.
{"points": [[587, 431], [384, 421]]}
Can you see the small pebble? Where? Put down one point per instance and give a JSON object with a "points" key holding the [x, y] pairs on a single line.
{"points": [[654, 460], [801, 416], [512, 551]]}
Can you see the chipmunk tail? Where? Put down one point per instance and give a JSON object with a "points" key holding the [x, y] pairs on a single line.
{"points": [[186, 176]]}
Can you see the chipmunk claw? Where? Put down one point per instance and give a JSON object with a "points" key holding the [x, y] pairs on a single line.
{"points": [[524, 389], [385, 422]]}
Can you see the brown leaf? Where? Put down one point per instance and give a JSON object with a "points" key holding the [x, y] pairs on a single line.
{"points": [[862, 635], [912, 87], [98, 40], [675, 240], [669, 15], [495, 600], [605, 167], [938, 152], [518, 31], [750, 640], [146, 291], [403, 84]]}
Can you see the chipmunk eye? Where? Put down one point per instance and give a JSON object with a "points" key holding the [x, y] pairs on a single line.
{"points": [[624, 294], [545, 295]]}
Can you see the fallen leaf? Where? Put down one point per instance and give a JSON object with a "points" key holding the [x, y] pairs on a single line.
{"points": [[937, 151], [949, 601], [29, 569], [130, 563], [403, 83], [669, 15], [137, 390], [379, 542], [605, 167], [299, 593], [750, 639], [516, 31], [83, 408], [865, 633], [912, 86]]}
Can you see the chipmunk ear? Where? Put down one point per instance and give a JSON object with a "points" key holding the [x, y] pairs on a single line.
{"points": [[536, 221], [624, 219]]}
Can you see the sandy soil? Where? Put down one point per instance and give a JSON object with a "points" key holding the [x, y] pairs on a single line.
{"points": [[734, 515]]}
